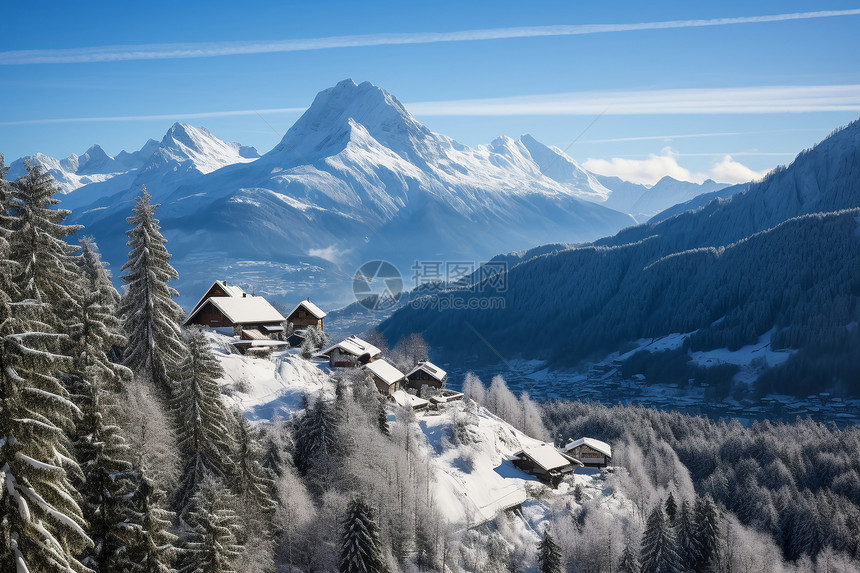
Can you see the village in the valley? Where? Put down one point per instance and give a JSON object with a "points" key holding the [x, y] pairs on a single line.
{"points": [[257, 328]]}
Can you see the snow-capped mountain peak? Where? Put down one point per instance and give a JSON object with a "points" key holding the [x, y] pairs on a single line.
{"points": [[94, 160], [185, 143], [323, 130]]}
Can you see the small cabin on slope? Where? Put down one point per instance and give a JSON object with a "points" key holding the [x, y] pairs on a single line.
{"points": [[426, 374], [546, 463], [306, 314], [593, 453], [350, 352], [228, 306], [387, 378]]}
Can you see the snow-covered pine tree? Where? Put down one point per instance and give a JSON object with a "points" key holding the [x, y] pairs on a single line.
{"points": [[382, 417], [707, 521], [98, 329], [671, 508], [316, 436], [99, 448], [202, 422], [210, 546], [41, 528], [46, 270], [151, 547], [360, 550], [251, 481], [627, 562], [659, 554], [102, 455], [254, 490], [689, 551], [5, 200], [274, 446], [315, 339], [549, 555], [150, 315]]}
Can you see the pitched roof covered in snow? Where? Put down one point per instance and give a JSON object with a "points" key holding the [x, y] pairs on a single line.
{"points": [[597, 445], [219, 286], [315, 311], [354, 346], [243, 309], [546, 457], [405, 399], [430, 368], [385, 371]]}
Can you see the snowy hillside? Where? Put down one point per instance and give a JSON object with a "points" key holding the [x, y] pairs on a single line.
{"points": [[474, 481]]}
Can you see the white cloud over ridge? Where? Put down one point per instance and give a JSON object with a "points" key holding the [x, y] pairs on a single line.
{"points": [[655, 167]]}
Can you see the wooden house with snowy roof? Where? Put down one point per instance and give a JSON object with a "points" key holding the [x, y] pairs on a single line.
{"points": [[426, 373], [593, 453], [350, 352], [306, 314], [228, 306], [387, 378], [546, 463]]}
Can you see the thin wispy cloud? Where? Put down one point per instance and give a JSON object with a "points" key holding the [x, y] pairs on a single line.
{"points": [[156, 117], [741, 100], [688, 136], [216, 49]]}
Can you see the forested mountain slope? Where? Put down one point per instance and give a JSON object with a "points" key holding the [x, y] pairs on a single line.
{"points": [[764, 258]]}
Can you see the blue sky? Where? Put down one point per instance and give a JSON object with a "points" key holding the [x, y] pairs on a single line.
{"points": [[754, 92]]}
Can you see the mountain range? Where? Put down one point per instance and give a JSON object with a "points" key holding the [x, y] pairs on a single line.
{"points": [[356, 178], [778, 257]]}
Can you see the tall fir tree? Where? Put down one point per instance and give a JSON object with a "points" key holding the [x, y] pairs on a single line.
{"points": [[46, 270], [316, 436], [151, 547], [671, 508], [150, 316], [202, 424], [549, 555], [5, 202], [252, 482], [210, 546], [707, 536], [659, 553], [106, 485], [41, 528], [627, 563], [98, 331], [360, 550], [93, 381], [689, 551]]}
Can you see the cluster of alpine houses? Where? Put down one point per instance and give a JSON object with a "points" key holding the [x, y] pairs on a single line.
{"points": [[404, 389], [551, 464], [259, 326]]}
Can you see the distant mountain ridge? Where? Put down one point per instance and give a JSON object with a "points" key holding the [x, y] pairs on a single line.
{"points": [[355, 178], [782, 253]]}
